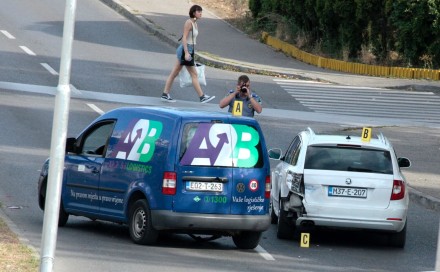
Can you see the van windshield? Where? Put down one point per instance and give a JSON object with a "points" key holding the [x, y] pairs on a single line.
{"points": [[348, 159], [219, 144]]}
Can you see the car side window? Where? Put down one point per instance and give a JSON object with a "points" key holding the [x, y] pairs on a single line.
{"points": [[96, 140], [293, 151]]}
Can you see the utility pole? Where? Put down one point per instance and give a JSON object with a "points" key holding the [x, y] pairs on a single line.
{"points": [[58, 144]]}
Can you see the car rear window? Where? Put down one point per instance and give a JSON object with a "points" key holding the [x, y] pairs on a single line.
{"points": [[218, 144], [348, 159]]}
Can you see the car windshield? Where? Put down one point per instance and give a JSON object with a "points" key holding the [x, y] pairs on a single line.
{"points": [[348, 159]]}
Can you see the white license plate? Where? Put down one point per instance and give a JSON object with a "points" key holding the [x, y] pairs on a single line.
{"points": [[347, 191], [204, 186]]}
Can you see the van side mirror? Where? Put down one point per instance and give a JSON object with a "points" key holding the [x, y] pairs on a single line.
{"points": [[71, 145], [275, 153], [403, 162]]}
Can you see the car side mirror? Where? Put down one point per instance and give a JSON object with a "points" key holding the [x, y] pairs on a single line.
{"points": [[71, 145], [403, 162], [275, 153]]}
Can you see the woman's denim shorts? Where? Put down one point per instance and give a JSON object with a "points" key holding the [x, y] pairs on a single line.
{"points": [[181, 57]]}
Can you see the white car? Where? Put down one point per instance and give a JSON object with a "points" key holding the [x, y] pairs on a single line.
{"points": [[341, 182]]}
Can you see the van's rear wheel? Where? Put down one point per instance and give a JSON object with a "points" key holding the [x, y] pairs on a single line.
{"points": [[247, 239], [140, 225]]}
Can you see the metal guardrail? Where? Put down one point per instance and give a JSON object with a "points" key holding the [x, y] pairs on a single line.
{"points": [[350, 67]]}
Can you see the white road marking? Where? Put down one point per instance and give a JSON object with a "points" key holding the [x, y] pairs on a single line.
{"points": [[75, 90], [27, 50], [50, 69], [7, 34], [332, 118], [263, 253], [95, 108]]}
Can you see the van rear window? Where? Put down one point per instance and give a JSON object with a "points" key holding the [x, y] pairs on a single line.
{"points": [[219, 144], [348, 159]]}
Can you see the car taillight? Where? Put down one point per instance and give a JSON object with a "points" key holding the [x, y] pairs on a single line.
{"points": [[398, 190], [267, 188], [169, 183]]}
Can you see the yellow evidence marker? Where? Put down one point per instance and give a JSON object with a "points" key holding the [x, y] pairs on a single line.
{"points": [[366, 134], [305, 239], [237, 109]]}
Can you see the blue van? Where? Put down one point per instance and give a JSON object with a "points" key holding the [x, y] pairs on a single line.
{"points": [[162, 169]]}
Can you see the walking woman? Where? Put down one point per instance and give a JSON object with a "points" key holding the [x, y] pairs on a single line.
{"points": [[185, 57]]}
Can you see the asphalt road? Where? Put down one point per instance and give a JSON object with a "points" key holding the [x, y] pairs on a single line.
{"points": [[130, 61], [101, 246]]}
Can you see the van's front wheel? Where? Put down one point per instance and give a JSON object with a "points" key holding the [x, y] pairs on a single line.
{"points": [[247, 239], [140, 225]]}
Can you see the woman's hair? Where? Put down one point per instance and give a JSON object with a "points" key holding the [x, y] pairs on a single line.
{"points": [[193, 9]]}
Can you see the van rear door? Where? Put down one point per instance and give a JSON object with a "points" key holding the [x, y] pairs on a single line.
{"points": [[204, 172], [222, 170]]}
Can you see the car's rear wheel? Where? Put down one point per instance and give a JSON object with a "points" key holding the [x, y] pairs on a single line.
{"points": [[285, 228], [140, 225], [247, 239], [398, 239], [273, 216]]}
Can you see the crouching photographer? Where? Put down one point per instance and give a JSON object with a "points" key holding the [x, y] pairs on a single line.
{"points": [[251, 101]]}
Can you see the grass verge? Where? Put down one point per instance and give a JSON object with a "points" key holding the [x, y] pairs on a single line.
{"points": [[15, 256]]}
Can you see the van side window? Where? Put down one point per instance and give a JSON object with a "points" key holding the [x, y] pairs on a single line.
{"points": [[188, 134], [96, 140]]}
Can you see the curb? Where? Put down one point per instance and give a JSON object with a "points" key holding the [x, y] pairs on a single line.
{"points": [[424, 200], [230, 65], [152, 28]]}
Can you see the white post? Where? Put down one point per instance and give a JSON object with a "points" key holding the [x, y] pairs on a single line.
{"points": [[58, 144], [437, 259]]}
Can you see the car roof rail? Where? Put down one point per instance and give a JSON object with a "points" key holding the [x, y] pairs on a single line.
{"points": [[382, 138], [312, 133]]}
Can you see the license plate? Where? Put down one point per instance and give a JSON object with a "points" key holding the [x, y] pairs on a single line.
{"points": [[347, 191], [204, 186]]}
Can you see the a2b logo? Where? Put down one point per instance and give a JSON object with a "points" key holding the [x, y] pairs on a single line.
{"points": [[222, 145], [137, 143]]}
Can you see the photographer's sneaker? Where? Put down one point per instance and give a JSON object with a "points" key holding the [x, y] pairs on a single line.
{"points": [[167, 98], [206, 98]]}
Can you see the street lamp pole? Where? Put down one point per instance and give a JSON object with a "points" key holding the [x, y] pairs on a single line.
{"points": [[58, 144]]}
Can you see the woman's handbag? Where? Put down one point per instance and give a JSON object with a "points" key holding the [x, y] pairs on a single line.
{"points": [[185, 62], [185, 77]]}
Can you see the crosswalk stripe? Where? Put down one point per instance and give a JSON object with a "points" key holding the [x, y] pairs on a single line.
{"points": [[364, 101]]}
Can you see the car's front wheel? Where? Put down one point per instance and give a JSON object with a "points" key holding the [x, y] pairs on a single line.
{"points": [[63, 216], [285, 228], [247, 239], [140, 225], [273, 216], [398, 239]]}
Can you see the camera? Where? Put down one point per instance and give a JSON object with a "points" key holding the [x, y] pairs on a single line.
{"points": [[243, 88]]}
